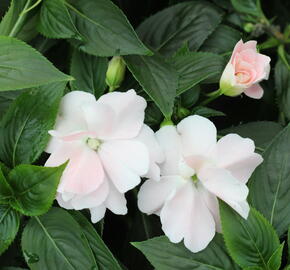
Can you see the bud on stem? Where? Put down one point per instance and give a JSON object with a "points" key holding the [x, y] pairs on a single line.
{"points": [[115, 73]]}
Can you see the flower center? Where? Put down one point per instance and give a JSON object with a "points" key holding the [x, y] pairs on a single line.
{"points": [[93, 143], [194, 178], [243, 77]]}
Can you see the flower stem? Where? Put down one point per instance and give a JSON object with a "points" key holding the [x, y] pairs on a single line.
{"points": [[211, 96]]}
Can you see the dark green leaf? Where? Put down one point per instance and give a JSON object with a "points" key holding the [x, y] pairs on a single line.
{"points": [[206, 112], [153, 116], [222, 40], [158, 79], [190, 97], [102, 26], [250, 242], [282, 84], [196, 67], [5, 189], [165, 255], [6, 98], [104, 257], [170, 28], [21, 66], [262, 132], [12, 268], [9, 225], [34, 188], [89, 72], [275, 260], [270, 184], [55, 241], [24, 127], [250, 7]]}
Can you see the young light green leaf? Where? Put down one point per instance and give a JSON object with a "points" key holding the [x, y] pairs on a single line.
{"points": [[164, 255], [21, 66], [24, 127], [270, 183], [103, 255], [169, 29], [275, 260], [158, 79], [55, 241], [196, 67], [250, 242], [89, 72], [96, 27], [9, 225], [34, 188]]}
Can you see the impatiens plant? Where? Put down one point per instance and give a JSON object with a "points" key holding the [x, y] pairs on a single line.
{"points": [[144, 135]]}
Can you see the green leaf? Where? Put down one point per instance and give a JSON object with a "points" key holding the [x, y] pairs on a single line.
{"points": [[164, 255], [169, 29], [250, 242], [103, 255], [5, 189], [282, 85], [89, 72], [275, 260], [158, 79], [24, 127], [196, 67], [55, 241], [12, 268], [9, 225], [270, 183], [17, 24], [103, 27], [34, 188], [262, 132], [250, 7], [207, 112], [222, 40], [6, 98], [21, 66]]}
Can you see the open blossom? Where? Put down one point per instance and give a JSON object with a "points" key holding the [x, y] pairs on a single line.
{"points": [[105, 142], [245, 70], [196, 172]]}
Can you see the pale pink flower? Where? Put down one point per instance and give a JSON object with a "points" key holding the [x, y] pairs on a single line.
{"points": [[196, 172], [245, 70], [105, 142]]}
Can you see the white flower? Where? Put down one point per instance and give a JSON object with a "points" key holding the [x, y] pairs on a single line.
{"points": [[198, 170], [105, 142]]}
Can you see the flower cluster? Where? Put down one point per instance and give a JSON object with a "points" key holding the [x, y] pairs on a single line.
{"points": [[109, 149]]}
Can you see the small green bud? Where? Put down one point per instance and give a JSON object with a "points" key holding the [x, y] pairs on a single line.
{"points": [[249, 27], [115, 72]]}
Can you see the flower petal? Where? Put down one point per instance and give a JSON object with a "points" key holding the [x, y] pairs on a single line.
{"points": [[97, 213], [254, 91], [116, 201], [129, 111], [124, 161], [236, 154], [221, 183], [198, 135]]}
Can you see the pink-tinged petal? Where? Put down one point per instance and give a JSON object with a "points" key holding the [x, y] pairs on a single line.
{"points": [[186, 216], [152, 194], [97, 213], [92, 199], [156, 155], [198, 135], [83, 174], [129, 111], [124, 161], [254, 91], [221, 183], [169, 140], [240, 46], [236, 154], [116, 201]]}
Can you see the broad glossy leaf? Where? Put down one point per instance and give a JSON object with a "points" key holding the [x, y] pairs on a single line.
{"points": [[196, 67], [158, 79], [22, 27], [282, 84], [164, 255], [21, 66], [262, 132], [9, 225], [275, 260], [103, 255], [24, 127], [206, 112], [102, 27], [222, 40], [270, 184], [34, 188], [5, 189], [250, 7], [6, 98], [55, 241], [89, 72], [169, 29], [250, 242]]}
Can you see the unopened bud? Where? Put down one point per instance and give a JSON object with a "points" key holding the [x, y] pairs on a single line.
{"points": [[115, 73], [249, 27]]}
